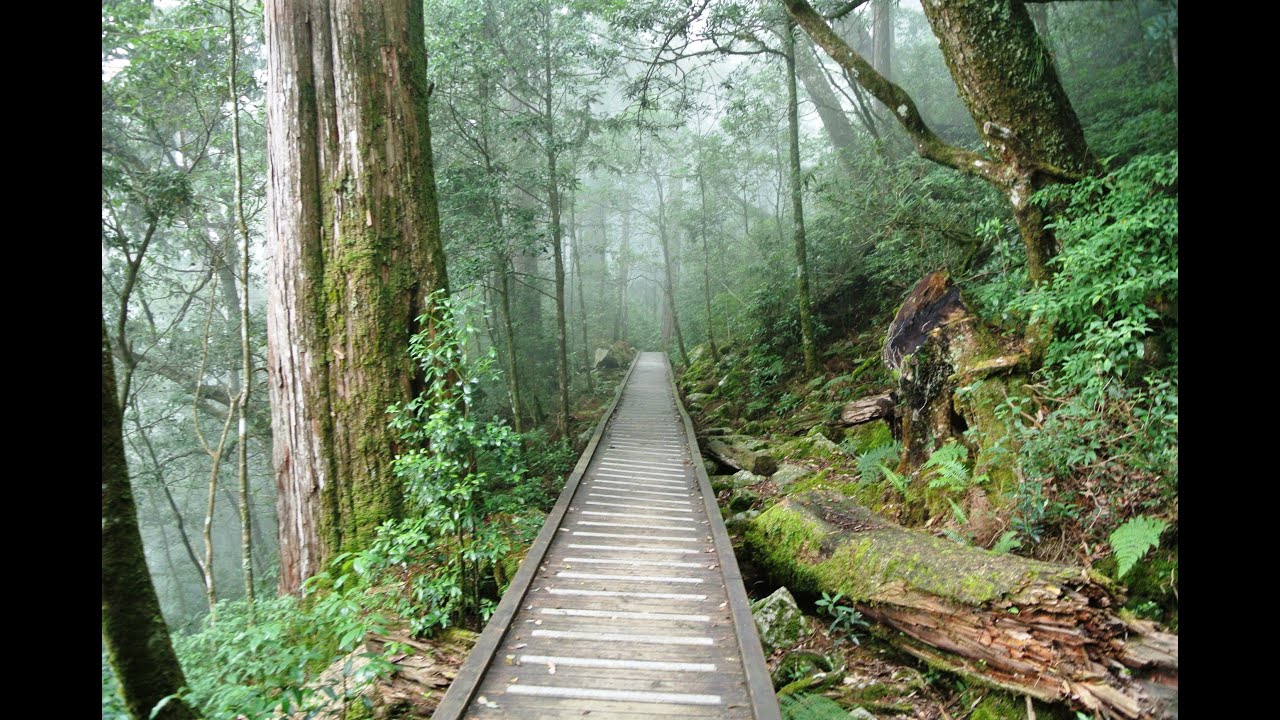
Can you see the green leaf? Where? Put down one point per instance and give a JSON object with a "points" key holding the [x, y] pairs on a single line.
{"points": [[1131, 541]]}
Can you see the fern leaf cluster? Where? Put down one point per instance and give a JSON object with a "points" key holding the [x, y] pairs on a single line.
{"points": [[947, 468], [870, 462], [1132, 540], [805, 706]]}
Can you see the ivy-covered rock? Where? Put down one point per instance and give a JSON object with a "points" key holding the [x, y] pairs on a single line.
{"points": [[779, 620]]}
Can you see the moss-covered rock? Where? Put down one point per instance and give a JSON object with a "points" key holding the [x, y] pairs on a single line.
{"points": [[788, 473], [779, 620], [867, 436]]}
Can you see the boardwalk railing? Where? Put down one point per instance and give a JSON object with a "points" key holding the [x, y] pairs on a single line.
{"points": [[629, 604]]}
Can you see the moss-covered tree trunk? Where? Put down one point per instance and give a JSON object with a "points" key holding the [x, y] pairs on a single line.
{"points": [[356, 249], [1033, 628], [138, 645]]}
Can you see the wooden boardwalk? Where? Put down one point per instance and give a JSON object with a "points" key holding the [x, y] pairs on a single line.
{"points": [[629, 604]]}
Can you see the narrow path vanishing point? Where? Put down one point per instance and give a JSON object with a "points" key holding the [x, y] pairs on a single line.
{"points": [[629, 604]]}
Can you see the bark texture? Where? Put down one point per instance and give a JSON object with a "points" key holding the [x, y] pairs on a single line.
{"points": [[1029, 627], [138, 646], [356, 248]]}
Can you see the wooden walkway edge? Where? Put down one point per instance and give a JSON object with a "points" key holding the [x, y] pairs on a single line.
{"points": [[618, 612]]}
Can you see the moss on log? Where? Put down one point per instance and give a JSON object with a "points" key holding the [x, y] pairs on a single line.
{"points": [[1030, 627]]}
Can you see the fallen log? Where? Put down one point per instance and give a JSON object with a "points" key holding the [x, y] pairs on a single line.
{"points": [[864, 410], [742, 452], [1033, 628]]}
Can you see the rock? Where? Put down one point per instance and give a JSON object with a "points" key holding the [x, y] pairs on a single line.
{"points": [[788, 473], [742, 452], [779, 620], [742, 500], [697, 400], [861, 713], [710, 467], [606, 358], [739, 522], [720, 483], [743, 478], [868, 436], [717, 431]]}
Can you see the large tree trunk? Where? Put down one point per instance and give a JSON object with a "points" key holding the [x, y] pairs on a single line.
{"points": [[553, 201], [1033, 628], [355, 232], [138, 646], [1008, 81]]}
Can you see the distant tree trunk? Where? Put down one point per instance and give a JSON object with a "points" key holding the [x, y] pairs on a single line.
{"points": [[834, 120], [706, 263], [666, 268], [624, 273], [553, 202], [138, 646], [513, 379], [246, 358], [882, 37], [355, 231], [797, 205], [577, 273]]}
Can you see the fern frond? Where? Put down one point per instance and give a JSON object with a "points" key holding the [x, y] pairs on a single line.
{"points": [[897, 480], [870, 461], [805, 706], [1132, 540], [1007, 543], [958, 512], [947, 467]]}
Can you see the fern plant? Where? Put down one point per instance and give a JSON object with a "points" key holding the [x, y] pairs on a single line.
{"points": [[871, 461], [1132, 540], [947, 470], [806, 706], [1007, 543]]}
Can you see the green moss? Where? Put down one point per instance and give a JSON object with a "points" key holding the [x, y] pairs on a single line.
{"points": [[867, 436], [875, 560], [998, 706]]}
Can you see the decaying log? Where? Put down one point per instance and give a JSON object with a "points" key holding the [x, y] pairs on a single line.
{"points": [[742, 452], [864, 410], [1034, 628]]}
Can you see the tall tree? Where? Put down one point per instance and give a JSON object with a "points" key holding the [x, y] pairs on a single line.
{"points": [[355, 231], [138, 645], [797, 204]]}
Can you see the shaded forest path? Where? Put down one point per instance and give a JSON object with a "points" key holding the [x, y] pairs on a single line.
{"points": [[629, 603]]}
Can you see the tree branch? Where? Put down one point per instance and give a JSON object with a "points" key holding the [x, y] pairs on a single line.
{"points": [[928, 145]]}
